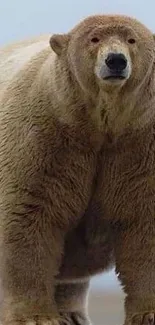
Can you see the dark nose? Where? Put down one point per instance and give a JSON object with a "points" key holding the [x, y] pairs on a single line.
{"points": [[116, 61]]}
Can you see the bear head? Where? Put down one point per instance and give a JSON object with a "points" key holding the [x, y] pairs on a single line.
{"points": [[107, 52], [111, 58]]}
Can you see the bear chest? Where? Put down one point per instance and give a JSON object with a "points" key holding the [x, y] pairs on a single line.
{"points": [[128, 178]]}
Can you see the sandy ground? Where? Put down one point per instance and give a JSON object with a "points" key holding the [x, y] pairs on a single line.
{"points": [[106, 302]]}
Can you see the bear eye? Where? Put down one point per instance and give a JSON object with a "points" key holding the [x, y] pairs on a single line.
{"points": [[131, 41], [95, 40]]}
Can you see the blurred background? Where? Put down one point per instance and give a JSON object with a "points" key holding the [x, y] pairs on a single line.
{"points": [[22, 19]]}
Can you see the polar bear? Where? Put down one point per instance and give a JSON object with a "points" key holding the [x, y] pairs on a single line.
{"points": [[65, 100]]}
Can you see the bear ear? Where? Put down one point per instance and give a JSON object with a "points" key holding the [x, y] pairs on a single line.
{"points": [[58, 42]]}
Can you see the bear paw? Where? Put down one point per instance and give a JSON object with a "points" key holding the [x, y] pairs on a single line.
{"points": [[74, 318], [35, 321], [145, 319], [40, 321]]}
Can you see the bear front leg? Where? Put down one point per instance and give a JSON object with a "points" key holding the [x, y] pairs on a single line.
{"points": [[71, 299], [31, 250], [135, 265]]}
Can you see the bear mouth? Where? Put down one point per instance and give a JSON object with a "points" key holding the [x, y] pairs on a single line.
{"points": [[114, 77]]}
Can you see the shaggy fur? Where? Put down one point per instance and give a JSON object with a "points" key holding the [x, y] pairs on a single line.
{"points": [[51, 133], [69, 209], [119, 222]]}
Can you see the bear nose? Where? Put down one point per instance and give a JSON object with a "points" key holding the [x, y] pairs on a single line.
{"points": [[116, 61]]}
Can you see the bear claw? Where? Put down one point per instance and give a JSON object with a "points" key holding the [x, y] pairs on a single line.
{"points": [[147, 319], [75, 318]]}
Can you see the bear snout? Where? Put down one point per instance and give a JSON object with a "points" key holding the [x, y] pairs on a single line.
{"points": [[116, 62], [115, 67], [113, 64]]}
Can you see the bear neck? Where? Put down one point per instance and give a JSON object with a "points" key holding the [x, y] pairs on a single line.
{"points": [[73, 105]]}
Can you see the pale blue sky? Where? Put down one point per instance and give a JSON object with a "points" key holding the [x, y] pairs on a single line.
{"points": [[20, 19]]}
